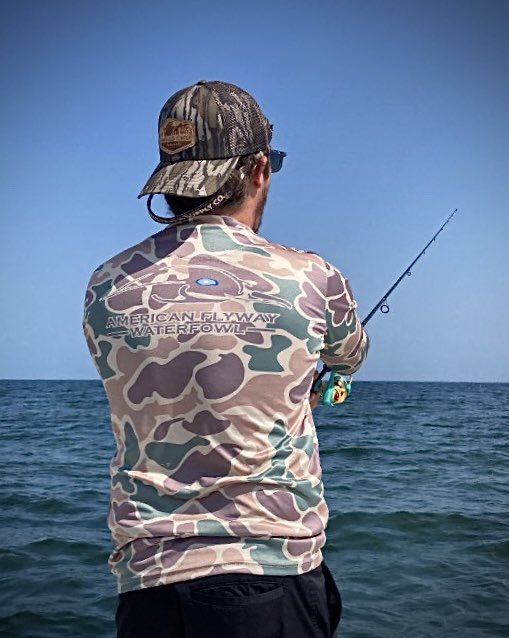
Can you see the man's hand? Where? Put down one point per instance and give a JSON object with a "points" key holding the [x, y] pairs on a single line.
{"points": [[314, 397]]}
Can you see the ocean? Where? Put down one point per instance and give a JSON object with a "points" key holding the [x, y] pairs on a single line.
{"points": [[416, 478]]}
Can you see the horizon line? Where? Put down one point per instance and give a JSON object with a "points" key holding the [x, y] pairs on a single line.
{"points": [[356, 380]]}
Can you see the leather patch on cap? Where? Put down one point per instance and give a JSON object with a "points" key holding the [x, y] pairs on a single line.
{"points": [[177, 135]]}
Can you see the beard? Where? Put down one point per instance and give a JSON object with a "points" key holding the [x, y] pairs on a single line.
{"points": [[260, 207]]}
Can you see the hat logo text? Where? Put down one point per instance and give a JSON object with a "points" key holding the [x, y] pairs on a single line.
{"points": [[177, 135]]}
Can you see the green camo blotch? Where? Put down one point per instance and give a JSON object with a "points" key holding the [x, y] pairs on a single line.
{"points": [[265, 359], [216, 240], [211, 528], [170, 455]]}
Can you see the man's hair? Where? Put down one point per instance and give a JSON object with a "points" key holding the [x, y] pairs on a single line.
{"points": [[236, 185]]}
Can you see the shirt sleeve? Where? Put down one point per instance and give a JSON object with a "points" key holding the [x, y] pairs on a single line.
{"points": [[345, 342]]}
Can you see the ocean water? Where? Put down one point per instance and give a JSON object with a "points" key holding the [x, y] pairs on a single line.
{"points": [[416, 477]]}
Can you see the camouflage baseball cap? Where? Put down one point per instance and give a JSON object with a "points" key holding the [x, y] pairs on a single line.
{"points": [[203, 130]]}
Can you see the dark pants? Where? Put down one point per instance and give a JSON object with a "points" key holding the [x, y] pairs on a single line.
{"points": [[234, 606]]}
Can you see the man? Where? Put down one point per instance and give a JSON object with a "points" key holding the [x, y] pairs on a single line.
{"points": [[206, 336]]}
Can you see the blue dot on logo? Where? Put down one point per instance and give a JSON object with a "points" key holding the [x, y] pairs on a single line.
{"points": [[207, 281]]}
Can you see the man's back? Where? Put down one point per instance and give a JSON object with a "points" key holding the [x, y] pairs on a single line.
{"points": [[206, 337]]}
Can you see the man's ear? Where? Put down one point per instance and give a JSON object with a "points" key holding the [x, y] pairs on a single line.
{"points": [[258, 176]]}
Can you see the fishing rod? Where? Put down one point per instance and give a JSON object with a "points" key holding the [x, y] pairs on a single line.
{"points": [[382, 304]]}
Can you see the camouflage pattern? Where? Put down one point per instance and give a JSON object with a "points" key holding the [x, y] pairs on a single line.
{"points": [[203, 129], [206, 337]]}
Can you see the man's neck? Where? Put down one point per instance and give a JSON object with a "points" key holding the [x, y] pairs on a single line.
{"points": [[244, 214]]}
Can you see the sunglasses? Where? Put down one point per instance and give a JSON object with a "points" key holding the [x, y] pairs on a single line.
{"points": [[276, 160]]}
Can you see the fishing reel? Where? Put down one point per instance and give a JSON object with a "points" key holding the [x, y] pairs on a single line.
{"points": [[336, 390]]}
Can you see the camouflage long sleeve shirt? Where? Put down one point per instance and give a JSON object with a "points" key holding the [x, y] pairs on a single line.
{"points": [[206, 337]]}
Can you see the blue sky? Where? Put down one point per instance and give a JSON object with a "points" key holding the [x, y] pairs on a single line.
{"points": [[393, 113]]}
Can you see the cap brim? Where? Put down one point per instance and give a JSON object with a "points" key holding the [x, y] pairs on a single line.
{"points": [[194, 178]]}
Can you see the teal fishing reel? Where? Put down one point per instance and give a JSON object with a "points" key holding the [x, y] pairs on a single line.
{"points": [[336, 390]]}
